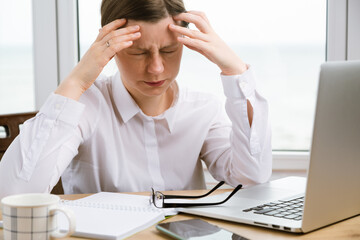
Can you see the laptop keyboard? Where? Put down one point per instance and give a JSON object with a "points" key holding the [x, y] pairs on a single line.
{"points": [[289, 209]]}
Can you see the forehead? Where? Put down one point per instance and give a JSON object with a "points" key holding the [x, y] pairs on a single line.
{"points": [[154, 34]]}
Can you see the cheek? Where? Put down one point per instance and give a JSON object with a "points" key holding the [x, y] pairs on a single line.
{"points": [[128, 64], [175, 61]]}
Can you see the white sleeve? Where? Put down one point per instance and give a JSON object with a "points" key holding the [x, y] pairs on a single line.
{"points": [[45, 146], [238, 153]]}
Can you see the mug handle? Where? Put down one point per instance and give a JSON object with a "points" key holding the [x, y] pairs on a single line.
{"points": [[71, 219]]}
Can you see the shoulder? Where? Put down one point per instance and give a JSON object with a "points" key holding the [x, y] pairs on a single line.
{"points": [[95, 99], [203, 106], [98, 92], [198, 98]]}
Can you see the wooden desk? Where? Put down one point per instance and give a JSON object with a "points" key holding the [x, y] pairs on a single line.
{"points": [[347, 229]]}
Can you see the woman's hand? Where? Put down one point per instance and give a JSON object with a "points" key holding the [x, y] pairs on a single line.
{"points": [[109, 41], [207, 42]]}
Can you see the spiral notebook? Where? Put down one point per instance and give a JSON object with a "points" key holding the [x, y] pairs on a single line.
{"points": [[111, 215]]}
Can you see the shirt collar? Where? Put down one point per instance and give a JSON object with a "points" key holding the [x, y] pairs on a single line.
{"points": [[125, 104], [128, 108]]}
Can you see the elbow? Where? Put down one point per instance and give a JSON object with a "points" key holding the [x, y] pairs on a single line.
{"points": [[257, 177], [261, 165], [2, 191], [262, 170], [5, 188], [255, 171], [262, 176]]}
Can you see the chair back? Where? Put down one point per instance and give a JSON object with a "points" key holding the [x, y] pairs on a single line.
{"points": [[10, 123]]}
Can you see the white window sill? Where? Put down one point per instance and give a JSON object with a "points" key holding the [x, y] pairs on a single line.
{"points": [[290, 160], [284, 164]]}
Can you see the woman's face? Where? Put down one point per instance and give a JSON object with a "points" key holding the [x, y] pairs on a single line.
{"points": [[152, 63]]}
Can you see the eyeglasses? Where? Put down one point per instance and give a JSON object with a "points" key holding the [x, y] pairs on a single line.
{"points": [[158, 198]]}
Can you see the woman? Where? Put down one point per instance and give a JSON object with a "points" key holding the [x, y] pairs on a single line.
{"points": [[137, 129]]}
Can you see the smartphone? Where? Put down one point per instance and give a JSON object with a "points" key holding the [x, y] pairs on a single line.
{"points": [[196, 229]]}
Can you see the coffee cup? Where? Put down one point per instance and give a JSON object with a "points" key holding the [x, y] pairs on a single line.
{"points": [[34, 216]]}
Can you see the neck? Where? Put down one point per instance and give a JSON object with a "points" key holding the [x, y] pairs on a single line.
{"points": [[154, 105]]}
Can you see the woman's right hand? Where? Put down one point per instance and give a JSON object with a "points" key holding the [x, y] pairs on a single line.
{"points": [[109, 41]]}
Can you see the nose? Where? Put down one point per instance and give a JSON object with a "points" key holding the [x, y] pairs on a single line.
{"points": [[155, 65]]}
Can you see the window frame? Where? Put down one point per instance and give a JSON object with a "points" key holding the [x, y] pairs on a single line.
{"points": [[55, 27], [56, 52]]}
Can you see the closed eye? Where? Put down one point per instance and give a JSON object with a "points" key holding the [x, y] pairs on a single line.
{"points": [[138, 54], [172, 51]]}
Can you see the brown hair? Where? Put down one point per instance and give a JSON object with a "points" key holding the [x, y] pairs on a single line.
{"points": [[140, 10]]}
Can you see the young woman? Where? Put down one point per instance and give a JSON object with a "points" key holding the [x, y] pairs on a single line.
{"points": [[138, 129]]}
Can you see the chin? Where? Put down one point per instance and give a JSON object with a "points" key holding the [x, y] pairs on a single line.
{"points": [[154, 92]]}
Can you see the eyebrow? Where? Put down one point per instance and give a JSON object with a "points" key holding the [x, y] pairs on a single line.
{"points": [[145, 49]]}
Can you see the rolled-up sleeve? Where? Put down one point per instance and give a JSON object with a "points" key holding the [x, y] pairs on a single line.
{"points": [[244, 153], [45, 146]]}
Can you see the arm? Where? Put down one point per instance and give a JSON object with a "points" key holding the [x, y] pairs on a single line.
{"points": [[40, 153], [47, 143], [208, 43], [238, 153], [109, 41], [247, 157]]}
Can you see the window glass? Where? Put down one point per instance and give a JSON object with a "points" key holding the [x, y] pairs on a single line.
{"points": [[283, 41], [16, 57]]}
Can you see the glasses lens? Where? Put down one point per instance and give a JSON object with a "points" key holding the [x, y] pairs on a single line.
{"points": [[159, 199], [151, 200]]}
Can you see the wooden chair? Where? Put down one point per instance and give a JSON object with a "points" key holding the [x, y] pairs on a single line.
{"points": [[11, 124]]}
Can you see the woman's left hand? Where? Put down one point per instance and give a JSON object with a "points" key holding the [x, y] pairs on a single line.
{"points": [[207, 42]]}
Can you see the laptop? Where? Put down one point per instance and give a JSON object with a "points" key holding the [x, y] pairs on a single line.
{"points": [[331, 191]]}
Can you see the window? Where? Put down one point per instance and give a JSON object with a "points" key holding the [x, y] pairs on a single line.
{"points": [[284, 47], [16, 57], [284, 41]]}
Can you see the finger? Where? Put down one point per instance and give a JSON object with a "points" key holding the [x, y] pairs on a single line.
{"points": [[123, 38], [110, 51], [199, 22], [188, 32], [195, 49], [119, 32], [201, 14], [110, 27], [194, 44]]}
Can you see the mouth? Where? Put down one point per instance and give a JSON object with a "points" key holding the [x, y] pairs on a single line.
{"points": [[155, 84]]}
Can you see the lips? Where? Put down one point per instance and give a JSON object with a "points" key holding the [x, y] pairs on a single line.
{"points": [[155, 84]]}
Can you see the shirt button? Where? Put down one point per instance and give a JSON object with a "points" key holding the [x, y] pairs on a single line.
{"points": [[57, 106]]}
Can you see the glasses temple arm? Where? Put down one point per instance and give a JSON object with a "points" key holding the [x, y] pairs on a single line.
{"points": [[200, 196], [238, 187], [175, 205]]}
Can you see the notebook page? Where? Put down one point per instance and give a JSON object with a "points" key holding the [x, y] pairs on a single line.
{"points": [[127, 200], [105, 218]]}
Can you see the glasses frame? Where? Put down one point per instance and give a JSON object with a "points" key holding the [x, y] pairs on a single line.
{"points": [[177, 205]]}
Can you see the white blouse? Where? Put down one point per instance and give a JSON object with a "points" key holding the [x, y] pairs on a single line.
{"points": [[105, 142]]}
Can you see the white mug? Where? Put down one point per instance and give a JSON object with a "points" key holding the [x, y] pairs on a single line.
{"points": [[33, 216]]}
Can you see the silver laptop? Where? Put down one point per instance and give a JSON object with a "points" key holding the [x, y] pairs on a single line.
{"points": [[332, 190]]}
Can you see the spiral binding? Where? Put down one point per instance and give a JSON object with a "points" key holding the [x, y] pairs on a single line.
{"points": [[108, 206]]}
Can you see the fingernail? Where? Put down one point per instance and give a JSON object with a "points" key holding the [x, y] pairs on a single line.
{"points": [[137, 34], [136, 27]]}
